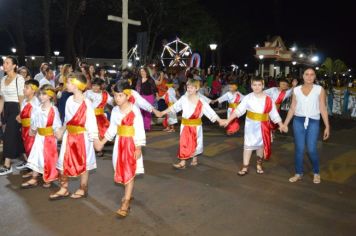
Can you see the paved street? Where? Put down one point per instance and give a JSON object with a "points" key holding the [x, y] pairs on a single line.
{"points": [[207, 200]]}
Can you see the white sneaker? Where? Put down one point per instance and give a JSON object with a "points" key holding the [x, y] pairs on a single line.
{"points": [[21, 165], [295, 178], [5, 171], [316, 179]]}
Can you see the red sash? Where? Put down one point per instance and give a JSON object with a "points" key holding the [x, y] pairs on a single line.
{"points": [[266, 130], [234, 125], [50, 154], [278, 103], [25, 131], [75, 156], [132, 99], [101, 120], [165, 121], [126, 162], [188, 137]]}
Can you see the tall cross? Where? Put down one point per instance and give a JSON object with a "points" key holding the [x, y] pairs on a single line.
{"points": [[125, 21]]}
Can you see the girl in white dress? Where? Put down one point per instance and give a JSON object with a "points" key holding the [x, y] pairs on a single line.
{"points": [[45, 122]]}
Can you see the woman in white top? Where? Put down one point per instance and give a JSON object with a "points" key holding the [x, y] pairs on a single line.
{"points": [[308, 103], [11, 91]]}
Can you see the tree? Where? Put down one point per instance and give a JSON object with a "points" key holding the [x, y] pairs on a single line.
{"points": [[332, 68]]}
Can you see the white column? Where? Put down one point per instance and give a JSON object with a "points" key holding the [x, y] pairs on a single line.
{"points": [[278, 70], [262, 69], [286, 70], [271, 70]]}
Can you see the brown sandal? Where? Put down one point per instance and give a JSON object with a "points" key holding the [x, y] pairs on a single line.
{"points": [[179, 166], [259, 169], [122, 213], [243, 172], [56, 196], [28, 184], [77, 195]]}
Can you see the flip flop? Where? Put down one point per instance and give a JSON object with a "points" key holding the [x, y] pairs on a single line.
{"points": [[57, 196]]}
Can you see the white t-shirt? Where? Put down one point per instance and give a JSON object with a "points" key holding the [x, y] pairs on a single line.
{"points": [[308, 106], [39, 76], [46, 81], [10, 92]]}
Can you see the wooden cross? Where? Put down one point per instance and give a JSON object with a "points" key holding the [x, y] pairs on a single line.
{"points": [[125, 21]]}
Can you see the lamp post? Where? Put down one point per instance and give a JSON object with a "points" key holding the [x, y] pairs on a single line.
{"points": [[213, 47], [261, 65], [33, 65], [56, 53]]}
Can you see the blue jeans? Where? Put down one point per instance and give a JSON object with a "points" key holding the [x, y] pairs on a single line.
{"points": [[309, 137]]}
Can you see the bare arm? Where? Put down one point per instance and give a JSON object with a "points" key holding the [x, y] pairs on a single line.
{"points": [[291, 111], [324, 114]]}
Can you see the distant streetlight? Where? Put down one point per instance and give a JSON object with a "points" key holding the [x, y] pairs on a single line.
{"points": [[315, 59], [97, 64], [129, 64], [33, 58], [294, 63], [137, 58], [213, 47], [301, 55], [245, 65], [317, 68], [293, 49], [261, 57], [349, 70], [13, 50], [56, 53], [114, 66], [257, 46]]}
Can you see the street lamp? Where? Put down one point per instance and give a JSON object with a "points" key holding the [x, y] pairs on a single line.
{"points": [[33, 64], [315, 59], [293, 49], [213, 47], [261, 65], [129, 64], [301, 55], [56, 53], [245, 65], [294, 63], [13, 50]]}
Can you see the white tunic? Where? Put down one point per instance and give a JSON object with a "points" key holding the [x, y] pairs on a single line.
{"points": [[39, 120], [308, 106], [274, 93], [139, 138], [34, 102], [188, 109], [172, 116], [141, 102], [230, 98], [90, 134], [96, 98], [253, 133]]}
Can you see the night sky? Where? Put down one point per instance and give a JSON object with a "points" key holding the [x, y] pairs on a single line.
{"points": [[328, 26]]}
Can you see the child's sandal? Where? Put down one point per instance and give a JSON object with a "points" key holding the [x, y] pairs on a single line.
{"points": [[243, 171], [259, 169]]}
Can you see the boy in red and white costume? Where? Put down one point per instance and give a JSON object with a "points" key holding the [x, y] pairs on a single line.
{"points": [[191, 131], [80, 134]]}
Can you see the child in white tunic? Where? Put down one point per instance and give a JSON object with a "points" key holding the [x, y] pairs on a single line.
{"points": [[191, 131], [260, 109], [170, 98], [126, 123], [45, 122], [80, 132], [234, 98]]}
